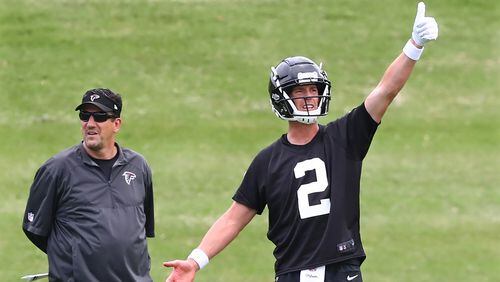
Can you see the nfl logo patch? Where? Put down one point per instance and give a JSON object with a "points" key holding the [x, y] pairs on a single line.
{"points": [[31, 216]]}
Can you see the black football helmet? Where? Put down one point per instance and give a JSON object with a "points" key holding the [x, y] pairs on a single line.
{"points": [[291, 72]]}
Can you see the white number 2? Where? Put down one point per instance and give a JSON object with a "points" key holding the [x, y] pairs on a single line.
{"points": [[305, 209]]}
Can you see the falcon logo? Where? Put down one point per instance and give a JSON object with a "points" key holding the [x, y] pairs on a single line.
{"points": [[129, 176], [31, 216], [94, 97]]}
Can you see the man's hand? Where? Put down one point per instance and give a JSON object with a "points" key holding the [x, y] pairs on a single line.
{"points": [[184, 270], [424, 28]]}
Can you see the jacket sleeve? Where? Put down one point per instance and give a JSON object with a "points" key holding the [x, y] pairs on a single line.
{"points": [[41, 207], [149, 204]]}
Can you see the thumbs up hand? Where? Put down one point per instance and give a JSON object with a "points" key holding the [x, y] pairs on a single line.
{"points": [[424, 28]]}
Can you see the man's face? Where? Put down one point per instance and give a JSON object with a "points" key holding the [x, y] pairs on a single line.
{"points": [[99, 135], [306, 94]]}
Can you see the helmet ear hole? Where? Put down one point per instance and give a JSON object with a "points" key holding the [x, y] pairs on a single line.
{"points": [[283, 104]]}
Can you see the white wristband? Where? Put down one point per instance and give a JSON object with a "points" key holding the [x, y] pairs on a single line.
{"points": [[412, 52], [199, 256]]}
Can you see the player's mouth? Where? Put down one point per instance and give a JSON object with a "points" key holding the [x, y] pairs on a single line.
{"points": [[309, 107]]}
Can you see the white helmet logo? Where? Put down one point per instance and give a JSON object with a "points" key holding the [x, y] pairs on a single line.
{"points": [[307, 76], [94, 96], [129, 176]]}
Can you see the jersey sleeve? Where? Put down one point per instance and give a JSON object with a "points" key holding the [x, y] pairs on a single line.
{"points": [[355, 131], [251, 192], [42, 202], [149, 204]]}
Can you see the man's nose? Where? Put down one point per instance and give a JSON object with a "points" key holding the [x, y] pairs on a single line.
{"points": [[91, 121], [310, 94]]}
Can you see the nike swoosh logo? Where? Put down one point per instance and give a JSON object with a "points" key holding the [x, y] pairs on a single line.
{"points": [[349, 278]]}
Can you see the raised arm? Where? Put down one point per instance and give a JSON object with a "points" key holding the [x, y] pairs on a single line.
{"points": [[222, 232], [396, 75]]}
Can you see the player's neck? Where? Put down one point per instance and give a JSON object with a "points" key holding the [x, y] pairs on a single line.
{"points": [[300, 133]]}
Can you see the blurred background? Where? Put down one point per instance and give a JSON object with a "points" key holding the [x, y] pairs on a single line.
{"points": [[193, 76]]}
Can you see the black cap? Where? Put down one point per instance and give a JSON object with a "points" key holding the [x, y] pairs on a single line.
{"points": [[104, 99]]}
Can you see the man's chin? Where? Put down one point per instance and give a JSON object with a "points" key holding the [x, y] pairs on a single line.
{"points": [[93, 145]]}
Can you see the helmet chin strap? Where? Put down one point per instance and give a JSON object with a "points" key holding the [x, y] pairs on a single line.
{"points": [[306, 120]]}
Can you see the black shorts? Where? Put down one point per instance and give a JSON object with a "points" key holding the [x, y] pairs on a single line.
{"points": [[345, 271]]}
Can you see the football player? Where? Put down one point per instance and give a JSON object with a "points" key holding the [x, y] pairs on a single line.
{"points": [[309, 178]]}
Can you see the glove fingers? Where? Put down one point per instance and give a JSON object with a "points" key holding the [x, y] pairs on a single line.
{"points": [[428, 34], [432, 36], [426, 28], [420, 24], [426, 21]]}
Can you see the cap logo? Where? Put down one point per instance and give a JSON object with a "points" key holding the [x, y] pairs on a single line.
{"points": [[275, 97], [307, 76], [94, 97], [129, 176]]}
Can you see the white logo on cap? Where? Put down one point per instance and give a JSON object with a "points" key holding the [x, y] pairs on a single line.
{"points": [[31, 216], [94, 96], [129, 176]]}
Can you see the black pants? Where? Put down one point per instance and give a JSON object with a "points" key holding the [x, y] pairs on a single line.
{"points": [[345, 271]]}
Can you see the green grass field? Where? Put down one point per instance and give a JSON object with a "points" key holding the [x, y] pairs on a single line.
{"points": [[193, 75]]}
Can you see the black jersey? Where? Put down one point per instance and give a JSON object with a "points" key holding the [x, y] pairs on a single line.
{"points": [[312, 193]]}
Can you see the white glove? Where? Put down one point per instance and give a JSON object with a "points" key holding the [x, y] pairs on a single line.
{"points": [[424, 28]]}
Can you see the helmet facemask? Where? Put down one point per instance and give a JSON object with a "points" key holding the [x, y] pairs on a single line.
{"points": [[307, 116]]}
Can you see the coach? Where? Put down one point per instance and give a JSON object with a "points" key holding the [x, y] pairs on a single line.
{"points": [[90, 207]]}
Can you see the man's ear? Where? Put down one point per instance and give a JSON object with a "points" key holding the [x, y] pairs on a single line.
{"points": [[118, 124]]}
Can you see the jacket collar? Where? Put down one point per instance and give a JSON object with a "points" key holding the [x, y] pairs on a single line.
{"points": [[122, 159]]}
